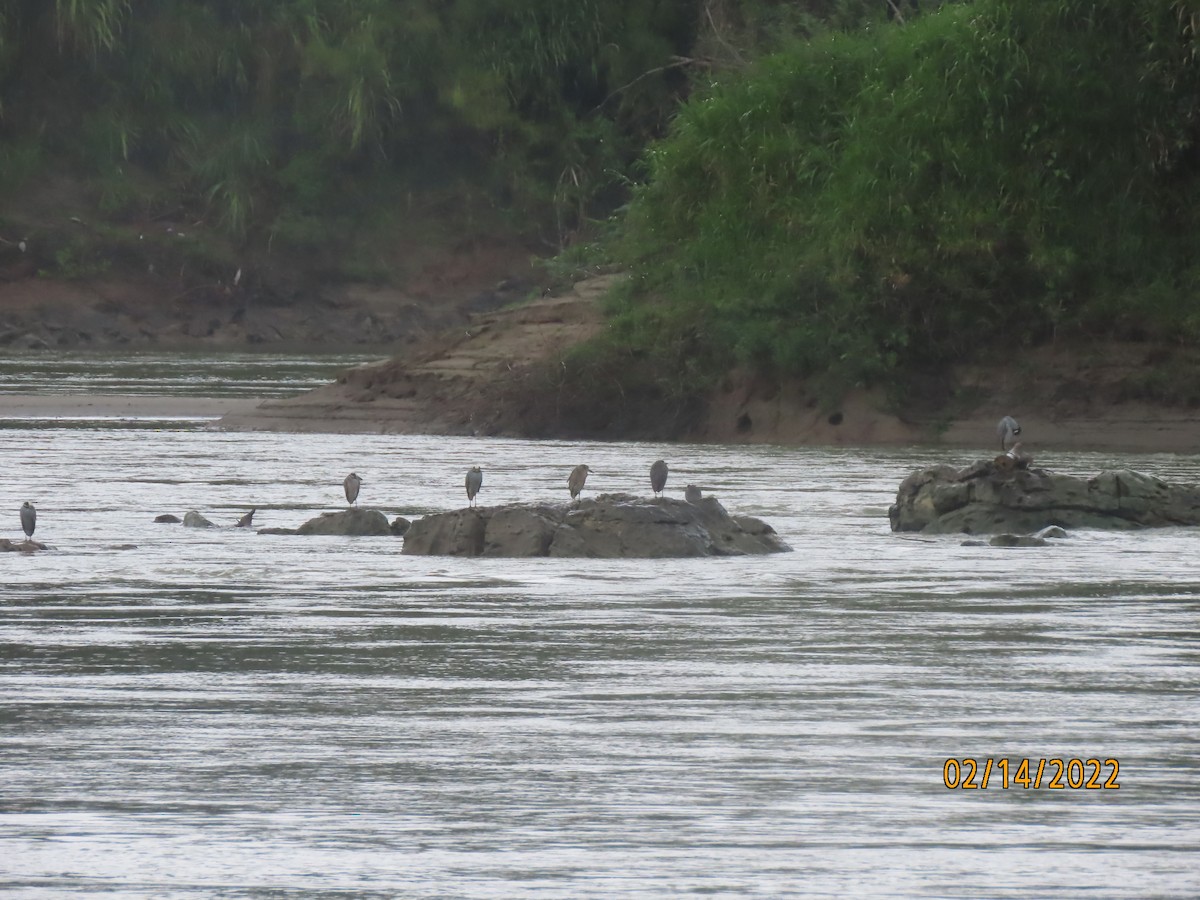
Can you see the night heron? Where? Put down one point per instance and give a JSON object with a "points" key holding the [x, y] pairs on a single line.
{"points": [[1007, 430], [474, 483], [579, 475], [352, 484], [28, 519], [691, 494], [658, 476]]}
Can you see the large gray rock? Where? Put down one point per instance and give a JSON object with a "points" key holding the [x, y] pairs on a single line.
{"points": [[611, 526], [351, 522], [193, 519], [988, 499]]}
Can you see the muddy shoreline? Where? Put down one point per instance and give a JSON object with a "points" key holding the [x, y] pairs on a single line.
{"points": [[120, 406], [486, 375]]}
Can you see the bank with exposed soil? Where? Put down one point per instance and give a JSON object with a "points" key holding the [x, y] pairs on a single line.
{"points": [[496, 376]]}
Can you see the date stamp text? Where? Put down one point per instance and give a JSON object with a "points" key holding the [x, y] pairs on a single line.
{"points": [[1053, 774]]}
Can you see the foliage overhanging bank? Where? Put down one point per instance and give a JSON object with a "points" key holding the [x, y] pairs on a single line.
{"points": [[995, 174]]}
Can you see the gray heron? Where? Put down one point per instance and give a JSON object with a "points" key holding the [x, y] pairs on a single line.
{"points": [[474, 483], [28, 519], [579, 475], [352, 484], [658, 476], [1006, 430]]}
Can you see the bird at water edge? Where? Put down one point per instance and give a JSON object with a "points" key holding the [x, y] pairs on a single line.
{"points": [[28, 519], [1006, 430]]}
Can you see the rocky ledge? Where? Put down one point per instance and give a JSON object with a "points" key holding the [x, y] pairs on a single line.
{"points": [[610, 526], [990, 497]]}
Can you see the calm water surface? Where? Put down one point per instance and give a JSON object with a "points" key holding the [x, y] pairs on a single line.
{"points": [[188, 713]]}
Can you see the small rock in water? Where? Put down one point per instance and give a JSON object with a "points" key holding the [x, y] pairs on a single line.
{"points": [[400, 526], [352, 522], [26, 546], [1017, 540], [1051, 531], [167, 519], [193, 519]]}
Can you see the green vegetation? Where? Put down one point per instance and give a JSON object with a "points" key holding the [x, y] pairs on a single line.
{"points": [[333, 129], [806, 189], [884, 201]]}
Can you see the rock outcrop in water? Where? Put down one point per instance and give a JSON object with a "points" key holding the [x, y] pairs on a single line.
{"points": [[985, 498], [610, 526], [352, 522], [26, 546]]}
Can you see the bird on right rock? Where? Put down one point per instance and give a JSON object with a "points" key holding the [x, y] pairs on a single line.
{"points": [[1006, 430]]}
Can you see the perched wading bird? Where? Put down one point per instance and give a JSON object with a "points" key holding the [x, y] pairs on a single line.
{"points": [[1007, 430], [579, 475], [352, 484], [474, 483], [691, 494], [658, 476], [28, 519]]}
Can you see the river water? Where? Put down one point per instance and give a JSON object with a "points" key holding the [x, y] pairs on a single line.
{"points": [[194, 713]]}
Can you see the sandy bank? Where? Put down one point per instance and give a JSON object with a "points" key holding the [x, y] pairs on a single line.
{"points": [[119, 406], [490, 376]]}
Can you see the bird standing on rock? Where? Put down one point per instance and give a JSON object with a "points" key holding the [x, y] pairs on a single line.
{"points": [[474, 483], [28, 519], [1007, 430], [352, 484], [658, 476], [578, 476]]}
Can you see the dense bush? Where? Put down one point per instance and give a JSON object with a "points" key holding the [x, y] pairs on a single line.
{"points": [[996, 173]]}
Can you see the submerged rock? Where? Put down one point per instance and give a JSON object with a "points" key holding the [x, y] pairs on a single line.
{"points": [[611, 526], [26, 546], [986, 499], [352, 522], [1017, 540]]}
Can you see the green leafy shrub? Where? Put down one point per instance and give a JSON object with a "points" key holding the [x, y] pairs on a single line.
{"points": [[994, 174]]}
